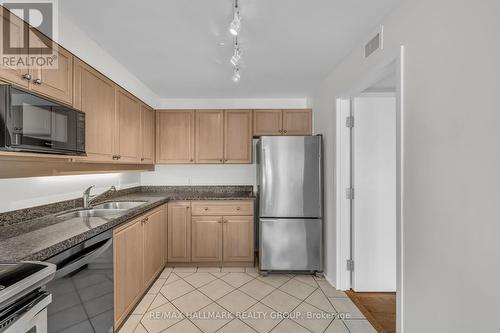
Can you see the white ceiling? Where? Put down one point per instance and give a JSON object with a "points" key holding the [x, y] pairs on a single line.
{"points": [[173, 46]]}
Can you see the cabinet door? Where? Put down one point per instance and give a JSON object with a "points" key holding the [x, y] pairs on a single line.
{"points": [[238, 136], [95, 95], [209, 136], [128, 128], [175, 136], [14, 74], [267, 122], [152, 233], [238, 239], [297, 122], [128, 262], [148, 134], [179, 232], [55, 81], [206, 236]]}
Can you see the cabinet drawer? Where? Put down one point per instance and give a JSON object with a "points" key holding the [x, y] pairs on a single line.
{"points": [[222, 208]]}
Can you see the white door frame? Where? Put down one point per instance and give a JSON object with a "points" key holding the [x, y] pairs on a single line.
{"points": [[343, 212]]}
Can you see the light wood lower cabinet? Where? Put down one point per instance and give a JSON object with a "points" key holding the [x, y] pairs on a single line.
{"points": [[128, 260], [138, 259], [217, 232], [153, 246], [206, 238], [238, 239], [179, 232]]}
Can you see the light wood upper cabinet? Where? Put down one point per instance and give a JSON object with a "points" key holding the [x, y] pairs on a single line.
{"points": [[175, 136], [55, 82], [179, 232], [267, 122], [238, 239], [153, 246], [297, 122], [282, 122], [206, 239], [51, 80], [238, 136], [209, 136], [128, 275], [13, 75], [94, 94], [128, 127], [148, 134]]}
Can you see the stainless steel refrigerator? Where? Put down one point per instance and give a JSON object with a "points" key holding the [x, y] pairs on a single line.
{"points": [[290, 191]]}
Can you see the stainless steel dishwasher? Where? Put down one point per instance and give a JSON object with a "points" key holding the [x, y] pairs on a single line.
{"points": [[82, 289]]}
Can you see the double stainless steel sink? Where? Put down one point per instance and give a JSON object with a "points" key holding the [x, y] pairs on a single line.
{"points": [[106, 209]]}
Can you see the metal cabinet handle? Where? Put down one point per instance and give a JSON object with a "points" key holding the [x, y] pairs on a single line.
{"points": [[206, 208], [27, 76], [285, 131], [142, 159], [238, 208], [37, 81]]}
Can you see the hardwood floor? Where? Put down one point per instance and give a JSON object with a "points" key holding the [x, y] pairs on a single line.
{"points": [[378, 308]]}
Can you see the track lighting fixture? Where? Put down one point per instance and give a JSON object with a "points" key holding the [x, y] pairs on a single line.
{"points": [[236, 75], [235, 26], [235, 59]]}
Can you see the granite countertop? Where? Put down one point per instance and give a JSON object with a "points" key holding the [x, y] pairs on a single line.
{"points": [[44, 236]]}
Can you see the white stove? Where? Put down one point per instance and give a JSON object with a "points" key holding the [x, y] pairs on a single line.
{"points": [[23, 298]]}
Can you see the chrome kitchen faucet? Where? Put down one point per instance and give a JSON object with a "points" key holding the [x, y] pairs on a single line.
{"points": [[88, 199]]}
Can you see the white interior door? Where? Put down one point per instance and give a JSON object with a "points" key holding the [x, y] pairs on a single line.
{"points": [[374, 205]]}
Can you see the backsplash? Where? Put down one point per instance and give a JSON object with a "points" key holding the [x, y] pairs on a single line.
{"points": [[19, 193]]}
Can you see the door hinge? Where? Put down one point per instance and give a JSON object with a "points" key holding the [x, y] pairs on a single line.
{"points": [[349, 193], [350, 265], [349, 122]]}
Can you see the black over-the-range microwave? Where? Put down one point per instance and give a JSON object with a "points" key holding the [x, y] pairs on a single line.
{"points": [[33, 123]]}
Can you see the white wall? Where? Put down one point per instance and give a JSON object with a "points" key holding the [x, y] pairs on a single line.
{"points": [[451, 139], [200, 175], [203, 174], [75, 40], [18, 193], [234, 103]]}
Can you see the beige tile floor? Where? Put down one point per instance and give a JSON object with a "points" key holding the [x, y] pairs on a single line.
{"points": [[211, 299]]}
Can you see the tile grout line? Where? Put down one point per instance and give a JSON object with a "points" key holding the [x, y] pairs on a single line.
{"points": [[253, 278]]}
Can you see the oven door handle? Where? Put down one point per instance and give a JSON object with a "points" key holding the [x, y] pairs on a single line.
{"points": [[84, 260]]}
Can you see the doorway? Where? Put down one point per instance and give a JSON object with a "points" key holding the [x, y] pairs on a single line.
{"points": [[368, 174]]}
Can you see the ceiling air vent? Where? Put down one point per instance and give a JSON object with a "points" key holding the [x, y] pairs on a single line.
{"points": [[373, 44]]}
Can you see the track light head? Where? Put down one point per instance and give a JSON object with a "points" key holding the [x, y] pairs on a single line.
{"points": [[235, 59], [236, 75], [235, 26]]}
